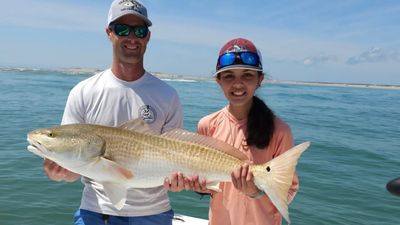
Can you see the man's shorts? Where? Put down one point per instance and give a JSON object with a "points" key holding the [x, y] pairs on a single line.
{"points": [[85, 217]]}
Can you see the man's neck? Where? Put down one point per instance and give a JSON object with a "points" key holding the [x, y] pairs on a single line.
{"points": [[128, 72]]}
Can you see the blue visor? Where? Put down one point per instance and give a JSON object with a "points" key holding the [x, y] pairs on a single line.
{"points": [[239, 58]]}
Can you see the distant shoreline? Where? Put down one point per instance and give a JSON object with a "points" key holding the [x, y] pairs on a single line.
{"points": [[161, 75], [377, 86], [329, 84]]}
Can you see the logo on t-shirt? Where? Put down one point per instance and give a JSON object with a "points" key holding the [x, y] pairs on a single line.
{"points": [[147, 113]]}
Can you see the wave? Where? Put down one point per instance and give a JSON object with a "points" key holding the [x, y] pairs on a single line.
{"points": [[92, 71], [180, 80], [64, 71]]}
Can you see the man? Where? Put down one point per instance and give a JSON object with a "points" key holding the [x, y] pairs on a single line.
{"points": [[123, 92]]}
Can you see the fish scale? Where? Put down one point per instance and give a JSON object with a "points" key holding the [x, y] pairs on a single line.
{"points": [[137, 151]]}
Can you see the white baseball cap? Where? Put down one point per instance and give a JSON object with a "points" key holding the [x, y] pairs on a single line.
{"points": [[121, 8]]}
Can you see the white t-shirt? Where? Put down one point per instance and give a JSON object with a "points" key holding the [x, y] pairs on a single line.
{"points": [[104, 99]]}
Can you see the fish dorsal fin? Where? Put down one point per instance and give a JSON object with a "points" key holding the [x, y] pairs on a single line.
{"points": [[137, 125], [187, 136]]}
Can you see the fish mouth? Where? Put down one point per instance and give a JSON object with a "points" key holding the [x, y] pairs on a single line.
{"points": [[33, 143], [36, 148]]}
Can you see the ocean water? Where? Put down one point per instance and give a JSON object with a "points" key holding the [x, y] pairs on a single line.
{"points": [[354, 133]]}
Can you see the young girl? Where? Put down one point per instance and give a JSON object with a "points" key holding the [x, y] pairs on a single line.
{"points": [[249, 125]]}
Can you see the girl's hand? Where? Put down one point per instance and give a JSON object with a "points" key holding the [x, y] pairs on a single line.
{"points": [[200, 186], [243, 180], [177, 182]]}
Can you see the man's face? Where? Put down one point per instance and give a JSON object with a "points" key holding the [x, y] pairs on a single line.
{"points": [[128, 49]]}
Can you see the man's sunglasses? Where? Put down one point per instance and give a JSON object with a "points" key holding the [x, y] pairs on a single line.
{"points": [[237, 58], [123, 30]]}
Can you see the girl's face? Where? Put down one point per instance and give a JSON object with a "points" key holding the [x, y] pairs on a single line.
{"points": [[239, 86]]}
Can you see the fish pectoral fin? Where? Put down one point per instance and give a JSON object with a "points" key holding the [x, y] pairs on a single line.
{"points": [[116, 193], [213, 186], [115, 168]]}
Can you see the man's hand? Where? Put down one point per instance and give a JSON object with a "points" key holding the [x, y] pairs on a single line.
{"points": [[58, 173], [178, 182]]}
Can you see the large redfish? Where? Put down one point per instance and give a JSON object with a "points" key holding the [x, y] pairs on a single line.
{"points": [[133, 156]]}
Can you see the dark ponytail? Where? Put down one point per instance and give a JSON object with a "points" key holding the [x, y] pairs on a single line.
{"points": [[260, 124]]}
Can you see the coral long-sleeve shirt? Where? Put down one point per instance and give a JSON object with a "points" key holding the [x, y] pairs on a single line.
{"points": [[231, 207]]}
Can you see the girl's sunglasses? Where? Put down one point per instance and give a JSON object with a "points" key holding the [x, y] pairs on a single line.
{"points": [[237, 58], [123, 30]]}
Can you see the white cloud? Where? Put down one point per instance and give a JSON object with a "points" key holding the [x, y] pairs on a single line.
{"points": [[375, 55], [322, 58]]}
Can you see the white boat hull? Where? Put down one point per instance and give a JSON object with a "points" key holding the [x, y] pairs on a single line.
{"points": [[182, 220]]}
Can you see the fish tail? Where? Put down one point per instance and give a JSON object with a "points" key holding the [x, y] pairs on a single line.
{"points": [[276, 176]]}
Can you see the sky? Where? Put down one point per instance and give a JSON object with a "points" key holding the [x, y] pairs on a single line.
{"points": [[346, 41]]}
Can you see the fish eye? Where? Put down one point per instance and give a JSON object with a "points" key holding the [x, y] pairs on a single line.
{"points": [[50, 134]]}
